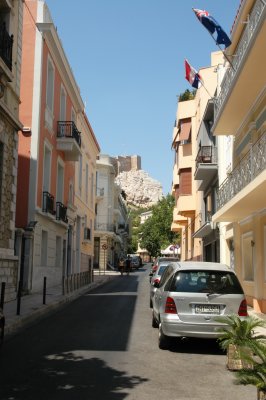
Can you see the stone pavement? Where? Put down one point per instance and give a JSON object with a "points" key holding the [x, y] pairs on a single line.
{"points": [[32, 307]]}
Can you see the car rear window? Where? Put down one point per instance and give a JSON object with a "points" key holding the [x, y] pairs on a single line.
{"points": [[206, 282], [161, 269]]}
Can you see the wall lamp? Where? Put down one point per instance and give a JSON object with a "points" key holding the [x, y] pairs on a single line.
{"points": [[26, 131]]}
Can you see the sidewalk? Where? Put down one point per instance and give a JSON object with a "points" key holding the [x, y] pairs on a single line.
{"points": [[32, 307]]}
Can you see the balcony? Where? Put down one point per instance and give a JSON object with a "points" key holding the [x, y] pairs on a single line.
{"points": [[206, 227], [48, 203], [248, 55], [68, 140], [61, 212], [186, 206], [6, 45], [104, 227], [206, 166], [243, 192]]}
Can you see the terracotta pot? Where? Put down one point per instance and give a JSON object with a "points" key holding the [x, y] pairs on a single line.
{"points": [[261, 394], [234, 360]]}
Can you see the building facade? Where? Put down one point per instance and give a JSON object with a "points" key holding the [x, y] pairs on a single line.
{"points": [[11, 18], [240, 112], [51, 110], [111, 233]]}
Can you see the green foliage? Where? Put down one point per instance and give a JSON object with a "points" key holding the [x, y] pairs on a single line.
{"points": [[187, 95], [256, 375], [237, 331], [156, 233]]}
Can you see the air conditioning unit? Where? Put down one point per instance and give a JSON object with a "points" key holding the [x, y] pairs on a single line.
{"points": [[87, 234]]}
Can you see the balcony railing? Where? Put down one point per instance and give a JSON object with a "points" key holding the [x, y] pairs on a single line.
{"points": [[104, 227], [246, 171], [255, 17], [6, 45], [61, 212], [48, 203], [206, 155], [68, 129]]}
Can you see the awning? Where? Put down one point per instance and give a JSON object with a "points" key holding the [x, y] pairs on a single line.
{"points": [[185, 130]]}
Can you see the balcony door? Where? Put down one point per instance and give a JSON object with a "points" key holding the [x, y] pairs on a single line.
{"points": [[60, 183]]}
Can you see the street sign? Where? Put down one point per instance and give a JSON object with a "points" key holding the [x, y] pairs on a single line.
{"points": [[104, 246]]}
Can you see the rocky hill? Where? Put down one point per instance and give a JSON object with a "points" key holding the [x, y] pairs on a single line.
{"points": [[141, 190]]}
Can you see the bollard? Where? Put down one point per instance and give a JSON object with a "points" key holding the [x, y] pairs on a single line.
{"points": [[44, 291], [19, 297]]}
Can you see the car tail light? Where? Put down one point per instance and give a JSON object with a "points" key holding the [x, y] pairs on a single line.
{"points": [[170, 307], [243, 310]]}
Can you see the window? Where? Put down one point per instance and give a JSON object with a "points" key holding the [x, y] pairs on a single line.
{"points": [[185, 182], [44, 244], [80, 174], [248, 256], [50, 86], [62, 104], [60, 182], [58, 254], [87, 183], [92, 192], [46, 168]]}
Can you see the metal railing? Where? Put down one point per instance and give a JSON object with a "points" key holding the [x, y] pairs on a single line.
{"points": [[68, 129], [75, 281], [254, 19], [61, 212], [245, 172], [6, 46], [206, 155], [47, 202], [104, 227]]}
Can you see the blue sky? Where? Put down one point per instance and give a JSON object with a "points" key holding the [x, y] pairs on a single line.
{"points": [[128, 60]]}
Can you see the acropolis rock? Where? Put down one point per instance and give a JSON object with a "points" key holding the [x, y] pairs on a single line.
{"points": [[141, 190]]}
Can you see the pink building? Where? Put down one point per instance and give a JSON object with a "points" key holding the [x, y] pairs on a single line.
{"points": [[51, 105]]}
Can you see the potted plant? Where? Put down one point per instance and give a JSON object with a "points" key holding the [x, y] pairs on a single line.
{"points": [[257, 374], [236, 338]]}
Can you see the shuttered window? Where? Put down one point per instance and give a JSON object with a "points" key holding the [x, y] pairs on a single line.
{"points": [[185, 182]]}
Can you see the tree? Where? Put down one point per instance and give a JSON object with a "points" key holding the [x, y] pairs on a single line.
{"points": [[156, 233], [187, 95]]}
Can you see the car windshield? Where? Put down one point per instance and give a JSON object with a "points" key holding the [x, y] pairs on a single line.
{"points": [[221, 282]]}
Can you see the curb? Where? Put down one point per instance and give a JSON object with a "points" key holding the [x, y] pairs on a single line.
{"points": [[22, 321]]}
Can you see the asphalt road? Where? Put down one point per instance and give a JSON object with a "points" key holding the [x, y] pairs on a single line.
{"points": [[102, 347]]}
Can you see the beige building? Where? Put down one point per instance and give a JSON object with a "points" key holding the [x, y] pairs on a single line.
{"points": [[84, 199], [195, 173], [112, 218], [241, 112], [11, 18]]}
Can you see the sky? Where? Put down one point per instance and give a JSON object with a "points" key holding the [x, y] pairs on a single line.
{"points": [[128, 61]]}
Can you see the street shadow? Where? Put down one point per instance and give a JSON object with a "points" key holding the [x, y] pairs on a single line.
{"points": [[68, 376], [195, 346]]}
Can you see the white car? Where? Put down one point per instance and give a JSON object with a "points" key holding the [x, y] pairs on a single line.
{"points": [[190, 296]]}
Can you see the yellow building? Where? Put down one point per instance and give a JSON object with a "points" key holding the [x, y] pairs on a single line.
{"points": [[241, 112], [195, 170]]}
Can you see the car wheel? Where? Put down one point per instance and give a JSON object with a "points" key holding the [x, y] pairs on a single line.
{"points": [[154, 322], [163, 340]]}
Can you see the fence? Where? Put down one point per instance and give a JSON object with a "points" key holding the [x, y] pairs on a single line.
{"points": [[76, 281]]}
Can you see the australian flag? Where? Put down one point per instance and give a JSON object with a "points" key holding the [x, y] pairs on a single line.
{"points": [[192, 76], [213, 27]]}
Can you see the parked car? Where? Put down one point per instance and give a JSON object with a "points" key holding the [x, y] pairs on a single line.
{"points": [[158, 261], [155, 279], [135, 262], [190, 296]]}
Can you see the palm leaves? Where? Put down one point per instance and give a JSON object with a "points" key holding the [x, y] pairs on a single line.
{"points": [[239, 332], [257, 375]]}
